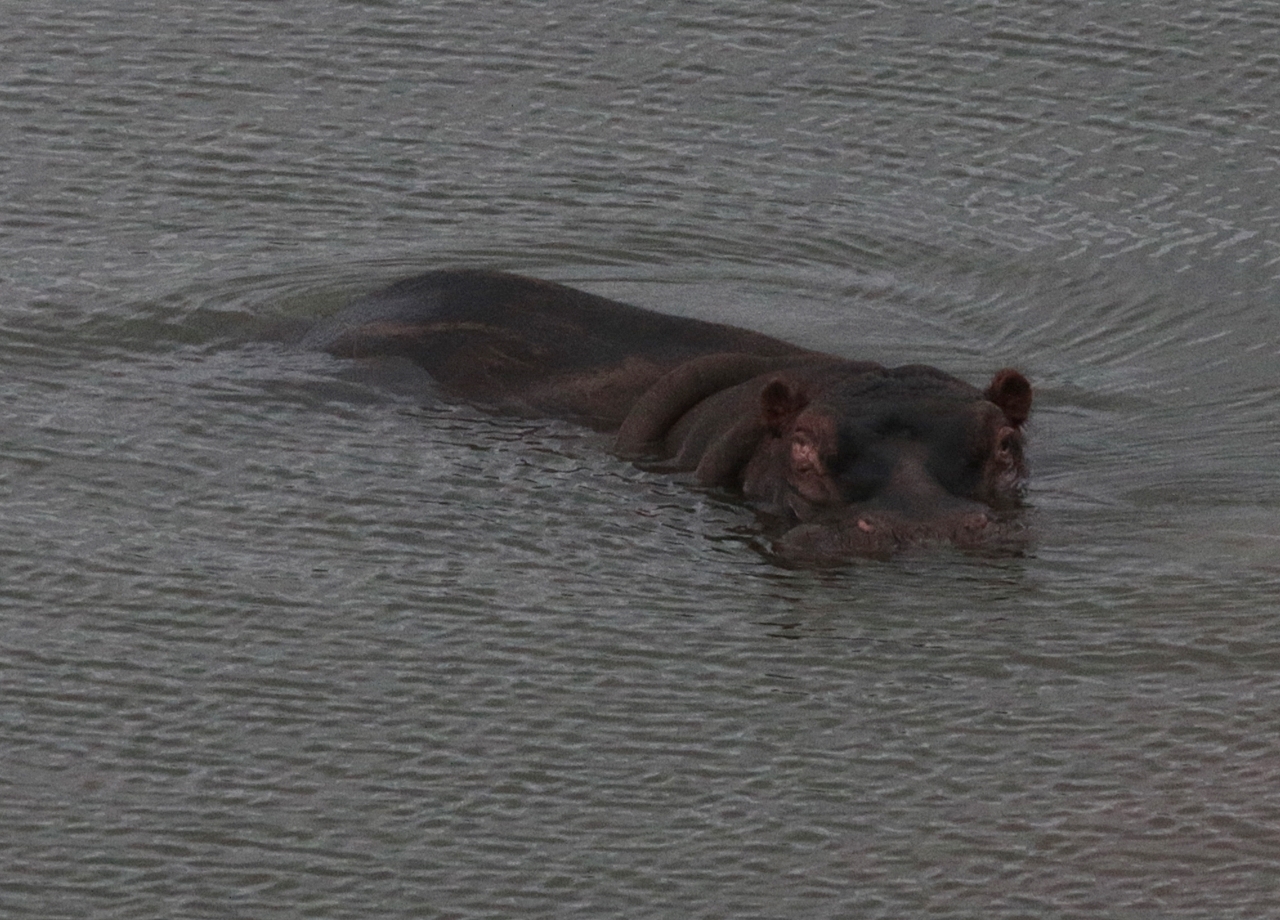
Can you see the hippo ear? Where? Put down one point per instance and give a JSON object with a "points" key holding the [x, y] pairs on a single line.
{"points": [[780, 403], [1011, 392]]}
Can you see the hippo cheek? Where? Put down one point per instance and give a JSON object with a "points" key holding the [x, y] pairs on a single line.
{"points": [[872, 533]]}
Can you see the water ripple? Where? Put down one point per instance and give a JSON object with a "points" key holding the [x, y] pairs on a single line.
{"points": [[288, 636]]}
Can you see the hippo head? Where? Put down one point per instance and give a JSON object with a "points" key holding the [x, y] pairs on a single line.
{"points": [[867, 462]]}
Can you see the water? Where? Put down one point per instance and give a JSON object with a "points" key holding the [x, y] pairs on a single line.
{"points": [[284, 636]]}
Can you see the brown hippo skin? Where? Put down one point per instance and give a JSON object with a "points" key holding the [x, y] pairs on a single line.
{"points": [[850, 457]]}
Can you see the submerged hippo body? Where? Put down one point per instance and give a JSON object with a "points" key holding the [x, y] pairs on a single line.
{"points": [[854, 458]]}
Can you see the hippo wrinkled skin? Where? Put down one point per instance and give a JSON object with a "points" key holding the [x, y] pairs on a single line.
{"points": [[850, 457]]}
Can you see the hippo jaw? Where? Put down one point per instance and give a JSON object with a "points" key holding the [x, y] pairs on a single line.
{"points": [[912, 512], [880, 533]]}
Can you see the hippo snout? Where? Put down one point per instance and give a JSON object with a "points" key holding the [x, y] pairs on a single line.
{"points": [[869, 531]]}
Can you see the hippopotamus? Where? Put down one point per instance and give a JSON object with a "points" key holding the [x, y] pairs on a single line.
{"points": [[843, 458]]}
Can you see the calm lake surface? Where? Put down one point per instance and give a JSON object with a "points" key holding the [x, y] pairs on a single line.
{"points": [[282, 636]]}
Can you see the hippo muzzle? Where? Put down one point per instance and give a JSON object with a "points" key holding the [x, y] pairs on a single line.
{"points": [[908, 507]]}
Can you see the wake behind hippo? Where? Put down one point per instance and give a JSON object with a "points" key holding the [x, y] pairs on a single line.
{"points": [[854, 458]]}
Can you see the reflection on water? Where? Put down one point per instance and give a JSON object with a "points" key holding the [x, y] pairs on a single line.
{"points": [[295, 636]]}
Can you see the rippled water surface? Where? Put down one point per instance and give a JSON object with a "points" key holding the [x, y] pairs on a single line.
{"points": [[286, 636]]}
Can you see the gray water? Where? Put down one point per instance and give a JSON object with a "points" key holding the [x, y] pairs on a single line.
{"points": [[287, 637]]}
